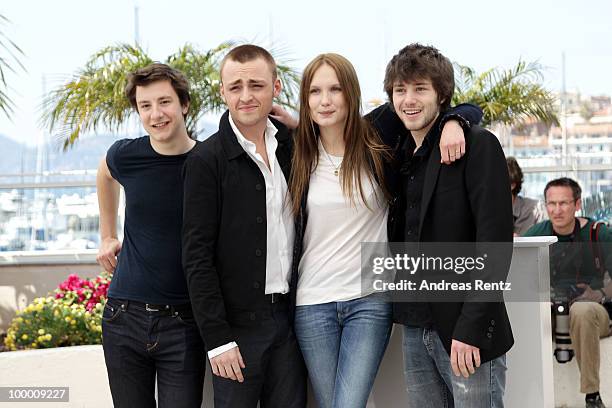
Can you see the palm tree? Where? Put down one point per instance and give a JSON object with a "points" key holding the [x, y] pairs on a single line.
{"points": [[509, 97], [10, 56], [95, 97]]}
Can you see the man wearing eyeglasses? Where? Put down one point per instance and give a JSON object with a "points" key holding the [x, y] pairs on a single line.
{"points": [[580, 263]]}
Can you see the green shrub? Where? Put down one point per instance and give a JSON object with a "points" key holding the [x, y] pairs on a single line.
{"points": [[70, 316]]}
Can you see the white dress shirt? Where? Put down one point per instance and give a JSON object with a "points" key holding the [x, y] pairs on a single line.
{"points": [[279, 227]]}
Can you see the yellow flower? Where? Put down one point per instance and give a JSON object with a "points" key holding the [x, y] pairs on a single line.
{"points": [[48, 336], [19, 320], [56, 313], [24, 337], [73, 322], [68, 319], [34, 345], [41, 331]]}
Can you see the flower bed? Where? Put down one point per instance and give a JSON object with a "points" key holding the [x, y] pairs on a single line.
{"points": [[69, 316]]}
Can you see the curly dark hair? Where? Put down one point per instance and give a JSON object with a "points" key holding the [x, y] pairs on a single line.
{"points": [[416, 61]]}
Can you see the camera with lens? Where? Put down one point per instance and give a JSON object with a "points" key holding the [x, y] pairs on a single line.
{"points": [[561, 301]]}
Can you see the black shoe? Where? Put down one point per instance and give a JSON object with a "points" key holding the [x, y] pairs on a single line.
{"points": [[595, 403]]}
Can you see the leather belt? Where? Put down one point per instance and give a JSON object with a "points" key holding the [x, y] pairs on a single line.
{"points": [[276, 297], [154, 308]]}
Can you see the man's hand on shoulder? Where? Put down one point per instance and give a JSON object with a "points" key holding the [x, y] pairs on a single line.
{"points": [[452, 142], [107, 254], [228, 365], [284, 117], [464, 358]]}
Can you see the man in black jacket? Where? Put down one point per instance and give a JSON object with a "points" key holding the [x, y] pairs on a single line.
{"points": [[466, 202], [237, 242]]}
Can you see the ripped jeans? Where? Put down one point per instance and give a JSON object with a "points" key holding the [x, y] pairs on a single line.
{"points": [[430, 382]]}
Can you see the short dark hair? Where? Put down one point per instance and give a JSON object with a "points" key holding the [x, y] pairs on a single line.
{"points": [[416, 61], [249, 52], [157, 72], [565, 182], [516, 175]]}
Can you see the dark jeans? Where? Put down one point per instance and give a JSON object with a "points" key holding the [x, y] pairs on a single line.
{"points": [[140, 344], [275, 374]]}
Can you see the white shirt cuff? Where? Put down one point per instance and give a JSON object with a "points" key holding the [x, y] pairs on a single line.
{"points": [[221, 349]]}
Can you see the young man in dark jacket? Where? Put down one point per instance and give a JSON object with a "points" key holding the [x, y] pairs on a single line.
{"points": [[454, 350], [237, 242]]}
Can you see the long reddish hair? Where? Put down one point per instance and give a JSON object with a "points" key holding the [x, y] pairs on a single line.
{"points": [[364, 151]]}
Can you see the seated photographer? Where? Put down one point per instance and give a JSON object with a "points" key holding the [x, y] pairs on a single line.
{"points": [[578, 265]]}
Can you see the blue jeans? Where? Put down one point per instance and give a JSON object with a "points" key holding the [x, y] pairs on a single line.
{"points": [[431, 383], [140, 345], [343, 344]]}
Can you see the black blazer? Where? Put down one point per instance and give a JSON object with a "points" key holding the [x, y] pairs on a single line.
{"points": [[392, 133], [224, 231], [469, 201]]}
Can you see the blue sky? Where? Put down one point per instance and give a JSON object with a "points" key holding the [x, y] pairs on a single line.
{"points": [[59, 36]]}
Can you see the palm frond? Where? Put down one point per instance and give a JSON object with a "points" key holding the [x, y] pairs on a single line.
{"points": [[508, 96], [10, 60], [202, 70], [94, 96]]}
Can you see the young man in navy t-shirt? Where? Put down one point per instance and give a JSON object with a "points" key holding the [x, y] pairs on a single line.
{"points": [[148, 327]]}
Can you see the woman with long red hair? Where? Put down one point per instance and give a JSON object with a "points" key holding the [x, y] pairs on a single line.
{"points": [[340, 190]]}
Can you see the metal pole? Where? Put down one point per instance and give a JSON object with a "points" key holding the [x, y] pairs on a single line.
{"points": [[136, 27], [564, 160]]}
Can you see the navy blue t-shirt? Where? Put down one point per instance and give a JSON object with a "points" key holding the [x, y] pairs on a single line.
{"points": [[149, 268]]}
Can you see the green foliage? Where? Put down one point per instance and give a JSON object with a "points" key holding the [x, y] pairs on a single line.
{"points": [[506, 96], [10, 58], [70, 316], [49, 322], [95, 98]]}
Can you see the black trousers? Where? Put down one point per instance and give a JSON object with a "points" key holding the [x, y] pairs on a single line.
{"points": [[275, 374], [140, 346]]}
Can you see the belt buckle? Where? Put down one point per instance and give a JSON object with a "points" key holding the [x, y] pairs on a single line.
{"points": [[150, 309]]}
